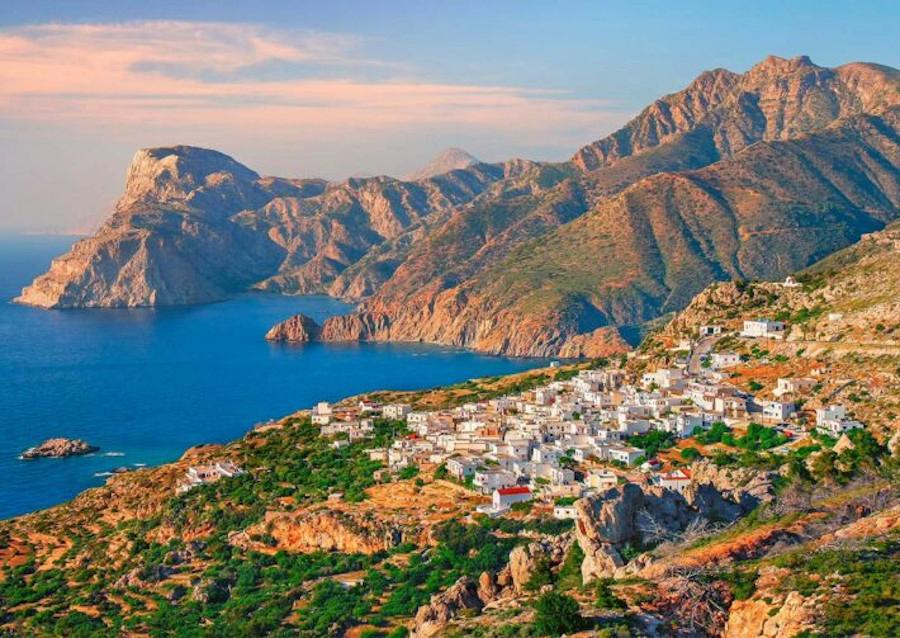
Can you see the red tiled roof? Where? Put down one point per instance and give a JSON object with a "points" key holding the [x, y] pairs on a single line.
{"points": [[678, 475], [507, 491]]}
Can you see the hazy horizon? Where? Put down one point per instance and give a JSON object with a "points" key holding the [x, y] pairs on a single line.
{"points": [[349, 89]]}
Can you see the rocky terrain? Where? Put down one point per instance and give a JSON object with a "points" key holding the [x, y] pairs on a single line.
{"points": [[59, 448], [570, 259]]}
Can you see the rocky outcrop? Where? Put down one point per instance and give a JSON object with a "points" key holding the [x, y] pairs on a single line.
{"points": [[632, 515], [525, 560], [770, 613], [59, 448], [297, 329], [488, 587], [433, 617], [328, 530], [745, 486]]}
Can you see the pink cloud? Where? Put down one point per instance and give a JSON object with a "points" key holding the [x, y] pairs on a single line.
{"points": [[188, 74]]}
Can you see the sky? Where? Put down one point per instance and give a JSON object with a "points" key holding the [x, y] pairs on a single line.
{"points": [[341, 88]]}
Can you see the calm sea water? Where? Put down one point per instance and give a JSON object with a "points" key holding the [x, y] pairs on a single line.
{"points": [[146, 384]]}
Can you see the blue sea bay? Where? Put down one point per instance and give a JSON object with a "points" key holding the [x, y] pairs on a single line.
{"points": [[145, 384]]}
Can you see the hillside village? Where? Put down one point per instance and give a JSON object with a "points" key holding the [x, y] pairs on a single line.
{"points": [[582, 432]]}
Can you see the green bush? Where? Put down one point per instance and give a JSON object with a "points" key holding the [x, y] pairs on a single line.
{"points": [[557, 614]]}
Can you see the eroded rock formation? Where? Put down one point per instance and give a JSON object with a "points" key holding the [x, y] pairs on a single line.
{"points": [[632, 515], [328, 530], [297, 329], [433, 617]]}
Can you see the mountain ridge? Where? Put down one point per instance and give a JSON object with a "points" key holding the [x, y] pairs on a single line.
{"points": [[699, 179]]}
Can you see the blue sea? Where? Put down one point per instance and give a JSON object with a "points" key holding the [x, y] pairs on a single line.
{"points": [[146, 384]]}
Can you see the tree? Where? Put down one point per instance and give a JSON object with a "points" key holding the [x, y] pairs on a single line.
{"points": [[557, 614]]}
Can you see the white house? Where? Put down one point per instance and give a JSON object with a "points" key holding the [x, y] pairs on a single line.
{"points": [[624, 454], [710, 330], [676, 480], [202, 474], [396, 410], [489, 480], [546, 454], [631, 427], [565, 512], [507, 496], [794, 385], [683, 425], [834, 422], [778, 411], [763, 328], [462, 467], [321, 414], [722, 360], [665, 378], [599, 479]]}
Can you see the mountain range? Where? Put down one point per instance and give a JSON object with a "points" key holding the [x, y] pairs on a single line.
{"points": [[738, 176]]}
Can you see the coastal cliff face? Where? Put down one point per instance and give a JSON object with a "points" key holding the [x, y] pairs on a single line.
{"points": [[193, 225], [738, 176]]}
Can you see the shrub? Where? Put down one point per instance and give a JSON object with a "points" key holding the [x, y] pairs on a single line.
{"points": [[557, 614]]}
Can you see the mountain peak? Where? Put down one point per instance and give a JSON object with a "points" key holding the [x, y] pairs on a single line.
{"points": [[447, 160], [779, 65], [170, 172]]}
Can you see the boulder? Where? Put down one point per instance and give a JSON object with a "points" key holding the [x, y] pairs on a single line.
{"points": [[443, 607], [487, 587], [524, 560]]}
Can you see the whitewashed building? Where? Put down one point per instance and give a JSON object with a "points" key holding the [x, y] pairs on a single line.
{"points": [[763, 328]]}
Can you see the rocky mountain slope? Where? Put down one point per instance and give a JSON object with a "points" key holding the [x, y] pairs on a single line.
{"points": [[748, 175]]}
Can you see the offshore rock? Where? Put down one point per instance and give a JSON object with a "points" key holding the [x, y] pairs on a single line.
{"points": [[297, 329], [59, 448]]}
